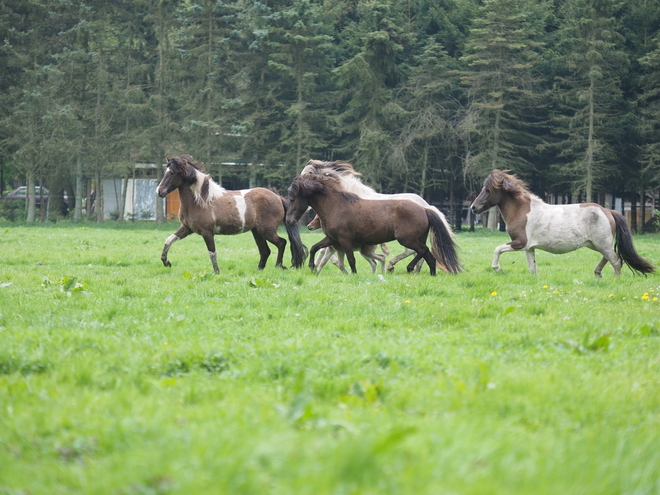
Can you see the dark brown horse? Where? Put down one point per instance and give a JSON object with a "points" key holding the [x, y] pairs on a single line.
{"points": [[208, 209], [350, 222]]}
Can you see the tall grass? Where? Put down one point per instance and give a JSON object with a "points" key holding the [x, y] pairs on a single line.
{"points": [[120, 376]]}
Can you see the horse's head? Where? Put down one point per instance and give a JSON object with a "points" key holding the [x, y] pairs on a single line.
{"points": [[298, 194], [496, 186], [315, 224], [180, 170]]}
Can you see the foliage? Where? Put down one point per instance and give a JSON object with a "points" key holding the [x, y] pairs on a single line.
{"points": [[153, 380], [421, 96]]}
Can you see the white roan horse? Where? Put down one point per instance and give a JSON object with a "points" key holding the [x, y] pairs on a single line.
{"points": [[353, 184], [533, 224]]}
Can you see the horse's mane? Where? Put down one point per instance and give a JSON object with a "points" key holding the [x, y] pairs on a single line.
{"points": [[502, 179], [204, 188], [312, 183], [344, 172], [339, 167]]}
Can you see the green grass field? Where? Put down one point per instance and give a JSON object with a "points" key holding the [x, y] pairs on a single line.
{"points": [[120, 376]]}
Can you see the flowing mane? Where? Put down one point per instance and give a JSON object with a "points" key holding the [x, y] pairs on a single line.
{"points": [[203, 187], [308, 184], [502, 179], [320, 166]]}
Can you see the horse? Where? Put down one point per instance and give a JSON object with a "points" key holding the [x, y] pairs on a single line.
{"points": [[350, 222], [208, 209], [368, 252], [352, 183], [533, 224]]}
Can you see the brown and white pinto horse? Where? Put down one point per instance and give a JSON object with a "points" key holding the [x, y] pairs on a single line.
{"points": [[351, 222], [208, 209], [533, 224]]}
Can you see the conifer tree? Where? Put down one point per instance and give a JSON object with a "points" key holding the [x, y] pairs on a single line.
{"points": [[588, 94]]}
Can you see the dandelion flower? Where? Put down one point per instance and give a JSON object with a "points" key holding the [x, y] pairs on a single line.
{"points": [[493, 293], [611, 295], [410, 329], [407, 300], [645, 297], [655, 298], [545, 286]]}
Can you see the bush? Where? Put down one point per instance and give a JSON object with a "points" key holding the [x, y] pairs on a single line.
{"points": [[11, 209]]}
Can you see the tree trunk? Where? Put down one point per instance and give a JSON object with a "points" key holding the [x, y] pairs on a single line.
{"points": [[30, 197], [425, 164], [642, 207], [77, 213], [590, 145], [492, 218]]}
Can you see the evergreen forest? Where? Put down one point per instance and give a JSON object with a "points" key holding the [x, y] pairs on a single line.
{"points": [[423, 96]]}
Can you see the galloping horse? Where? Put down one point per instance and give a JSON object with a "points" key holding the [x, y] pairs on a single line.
{"points": [[208, 209], [351, 222], [368, 253], [352, 183], [533, 224]]}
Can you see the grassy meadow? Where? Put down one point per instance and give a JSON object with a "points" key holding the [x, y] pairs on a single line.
{"points": [[120, 376]]}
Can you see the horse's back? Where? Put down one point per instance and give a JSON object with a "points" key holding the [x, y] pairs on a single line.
{"points": [[266, 206]]}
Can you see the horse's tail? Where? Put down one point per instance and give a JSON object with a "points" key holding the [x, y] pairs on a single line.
{"points": [[443, 246], [623, 245], [298, 249], [443, 219]]}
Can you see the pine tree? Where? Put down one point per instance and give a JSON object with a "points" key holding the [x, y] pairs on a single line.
{"points": [[502, 54], [588, 93]]}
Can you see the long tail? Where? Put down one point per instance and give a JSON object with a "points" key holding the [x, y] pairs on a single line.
{"points": [[443, 219], [443, 246], [299, 251], [623, 245]]}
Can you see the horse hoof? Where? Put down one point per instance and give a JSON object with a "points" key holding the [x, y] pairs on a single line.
{"points": [[167, 263]]}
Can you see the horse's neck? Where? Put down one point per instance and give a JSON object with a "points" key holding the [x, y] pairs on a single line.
{"points": [[511, 207], [326, 203], [187, 198]]}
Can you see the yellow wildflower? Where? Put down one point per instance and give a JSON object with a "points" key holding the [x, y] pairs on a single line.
{"points": [[493, 293]]}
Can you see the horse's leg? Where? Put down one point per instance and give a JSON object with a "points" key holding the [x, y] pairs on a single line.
{"points": [[608, 255], [210, 245], [278, 242], [374, 258], [504, 248], [422, 251], [599, 267], [264, 250], [328, 255], [369, 254], [347, 247], [339, 259], [399, 257], [177, 236], [531, 260], [323, 243]]}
